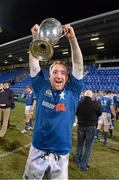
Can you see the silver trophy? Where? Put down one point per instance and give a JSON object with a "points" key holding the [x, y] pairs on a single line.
{"points": [[48, 36]]}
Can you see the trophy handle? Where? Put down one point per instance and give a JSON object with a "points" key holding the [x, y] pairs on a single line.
{"points": [[64, 34]]}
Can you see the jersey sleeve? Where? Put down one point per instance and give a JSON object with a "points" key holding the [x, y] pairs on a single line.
{"points": [[76, 85], [38, 82]]}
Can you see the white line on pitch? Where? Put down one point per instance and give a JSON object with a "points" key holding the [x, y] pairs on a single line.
{"points": [[14, 151]]}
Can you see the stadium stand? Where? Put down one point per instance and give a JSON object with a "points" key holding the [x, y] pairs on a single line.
{"points": [[94, 79], [101, 79]]}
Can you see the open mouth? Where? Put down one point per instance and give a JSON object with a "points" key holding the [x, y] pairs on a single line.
{"points": [[58, 82]]}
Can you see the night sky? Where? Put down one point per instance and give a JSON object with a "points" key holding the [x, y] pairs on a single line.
{"points": [[18, 16]]}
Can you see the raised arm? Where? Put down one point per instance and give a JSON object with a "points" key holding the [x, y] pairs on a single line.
{"points": [[33, 62], [76, 54]]}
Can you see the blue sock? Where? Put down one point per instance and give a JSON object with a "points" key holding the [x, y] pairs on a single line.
{"points": [[105, 137], [97, 133], [26, 125], [30, 122]]}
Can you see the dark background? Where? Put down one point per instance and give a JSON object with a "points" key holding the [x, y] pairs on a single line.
{"points": [[18, 16]]}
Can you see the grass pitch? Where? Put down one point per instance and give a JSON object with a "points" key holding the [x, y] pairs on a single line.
{"points": [[14, 148]]}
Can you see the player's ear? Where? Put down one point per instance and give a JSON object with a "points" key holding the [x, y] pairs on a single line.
{"points": [[49, 76], [68, 76]]}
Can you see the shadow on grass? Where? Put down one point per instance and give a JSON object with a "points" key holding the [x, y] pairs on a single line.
{"points": [[75, 173], [115, 138], [9, 146]]}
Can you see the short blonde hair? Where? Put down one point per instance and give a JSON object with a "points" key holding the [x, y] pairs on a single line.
{"points": [[88, 93], [58, 62], [30, 87]]}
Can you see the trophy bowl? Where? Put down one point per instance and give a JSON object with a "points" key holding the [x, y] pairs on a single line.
{"points": [[49, 34]]}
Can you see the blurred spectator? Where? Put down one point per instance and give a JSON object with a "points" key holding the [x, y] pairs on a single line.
{"points": [[6, 87], [5, 107], [88, 112]]}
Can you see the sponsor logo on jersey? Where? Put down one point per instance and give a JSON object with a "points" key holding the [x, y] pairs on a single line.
{"points": [[60, 107], [48, 105], [48, 92]]}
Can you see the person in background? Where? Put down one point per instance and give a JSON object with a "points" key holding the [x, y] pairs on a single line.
{"points": [[30, 103], [115, 99], [56, 104], [1, 94], [116, 104], [6, 87], [107, 106], [88, 112], [5, 107]]}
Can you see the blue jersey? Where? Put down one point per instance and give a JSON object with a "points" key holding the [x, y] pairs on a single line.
{"points": [[116, 101], [29, 98], [105, 102], [55, 114]]}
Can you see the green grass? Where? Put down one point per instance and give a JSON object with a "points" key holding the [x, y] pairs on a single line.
{"points": [[14, 147]]}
